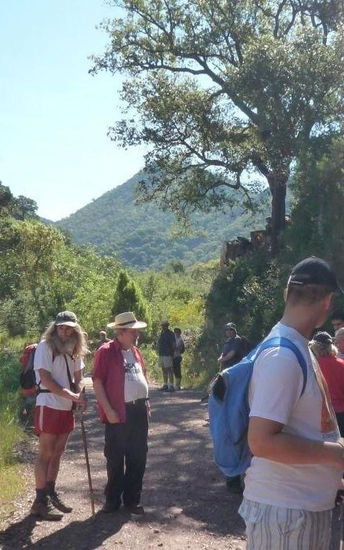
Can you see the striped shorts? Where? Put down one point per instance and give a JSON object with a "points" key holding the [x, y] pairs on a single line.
{"points": [[272, 528]]}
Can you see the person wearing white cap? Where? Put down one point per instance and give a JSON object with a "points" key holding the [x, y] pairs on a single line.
{"points": [[121, 388]]}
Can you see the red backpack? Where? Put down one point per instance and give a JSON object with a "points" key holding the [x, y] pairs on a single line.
{"points": [[28, 385]]}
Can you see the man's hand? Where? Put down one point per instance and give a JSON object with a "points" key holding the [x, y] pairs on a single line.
{"points": [[112, 417]]}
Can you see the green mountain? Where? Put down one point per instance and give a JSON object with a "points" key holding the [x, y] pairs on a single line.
{"points": [[141, 234]]}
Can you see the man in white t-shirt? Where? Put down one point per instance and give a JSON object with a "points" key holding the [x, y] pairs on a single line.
{"points": [[58, 367], [298, 458]]}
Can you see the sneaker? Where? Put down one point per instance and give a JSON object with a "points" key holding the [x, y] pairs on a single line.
{"points": [[45, 510], [135, 509], [58, 503], [164, 388]]}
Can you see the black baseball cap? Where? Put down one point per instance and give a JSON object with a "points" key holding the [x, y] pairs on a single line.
{"points": [[323, 338], [314, 271], [66, 318], [230, 326]]}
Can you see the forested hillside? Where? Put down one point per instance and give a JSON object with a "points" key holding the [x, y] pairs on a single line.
{"points": [[141, 234]]}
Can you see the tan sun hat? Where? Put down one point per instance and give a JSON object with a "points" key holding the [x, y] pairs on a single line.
{"points": [[126, 320]]}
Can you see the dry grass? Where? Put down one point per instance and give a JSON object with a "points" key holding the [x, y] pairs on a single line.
{"points": [[11, 486]]}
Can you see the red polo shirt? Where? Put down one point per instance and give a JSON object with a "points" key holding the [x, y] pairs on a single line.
{"points": [[109, 368], [333, 371]]}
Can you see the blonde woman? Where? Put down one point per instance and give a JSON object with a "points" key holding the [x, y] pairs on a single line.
{"points": [[333, 370]]}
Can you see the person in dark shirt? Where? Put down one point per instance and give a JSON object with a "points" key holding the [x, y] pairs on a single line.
{"points": [[166, 347], [231, 351], [102, 339], [231, 354]]}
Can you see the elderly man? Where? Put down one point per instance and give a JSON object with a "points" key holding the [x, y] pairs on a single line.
{"points": [[102, 339], [120, 385], [58, 367]]}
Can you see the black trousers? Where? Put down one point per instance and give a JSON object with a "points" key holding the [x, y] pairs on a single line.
{"points": [[177, 361], [126, 452]]}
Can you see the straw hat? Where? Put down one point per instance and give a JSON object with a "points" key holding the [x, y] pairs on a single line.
{"points": [[126, 320]]}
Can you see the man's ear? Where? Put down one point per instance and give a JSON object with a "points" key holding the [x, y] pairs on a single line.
{"points": [[328, 301], [285, 294]]}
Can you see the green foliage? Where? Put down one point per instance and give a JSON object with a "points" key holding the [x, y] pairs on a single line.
{"points": [[249, 294], [145, 237], [19, 208], [250, 291], [9, 382], [128, 297], [177, 295], [225, 88], [317, 219], [10, 432]]}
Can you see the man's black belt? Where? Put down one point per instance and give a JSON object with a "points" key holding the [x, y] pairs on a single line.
{"points": [[137, 401]]}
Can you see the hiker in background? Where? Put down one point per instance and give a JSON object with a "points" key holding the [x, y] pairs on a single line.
{"points": [[58, 365], [121, 388], [102, 339], [177, 357], [231, 351], [339, 341], [333, 370], [298, 461], [166, 348], [231, 354], [337, 320]]}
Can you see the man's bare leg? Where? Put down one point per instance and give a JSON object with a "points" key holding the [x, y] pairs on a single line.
{"points": [[41, 506], [53, 470], [47, 444], [54, 463]]}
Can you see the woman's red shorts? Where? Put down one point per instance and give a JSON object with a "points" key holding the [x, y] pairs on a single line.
{"points": [[53, 421]]}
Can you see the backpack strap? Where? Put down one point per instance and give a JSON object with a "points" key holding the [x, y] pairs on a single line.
{"points": [[68, 372], [280, 341]]}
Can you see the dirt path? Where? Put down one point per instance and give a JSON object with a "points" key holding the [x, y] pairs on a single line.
{"points": [[184, 496]]}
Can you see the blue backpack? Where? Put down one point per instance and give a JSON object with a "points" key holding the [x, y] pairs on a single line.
{"points": [[229, 409]]}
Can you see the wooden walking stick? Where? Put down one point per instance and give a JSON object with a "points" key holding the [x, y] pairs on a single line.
{"points": [[84, 440]]}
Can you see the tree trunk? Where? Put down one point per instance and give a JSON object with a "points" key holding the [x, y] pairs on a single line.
{"points": [[278, 188]]}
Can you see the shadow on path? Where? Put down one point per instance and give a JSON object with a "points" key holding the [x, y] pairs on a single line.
{"points": [[84, 535], [183, 491]]}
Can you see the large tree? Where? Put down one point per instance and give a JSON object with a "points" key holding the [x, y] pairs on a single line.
{"points": [[222, 88]]}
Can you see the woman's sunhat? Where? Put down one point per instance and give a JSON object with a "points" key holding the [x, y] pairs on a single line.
{"points": [[126, 320]]}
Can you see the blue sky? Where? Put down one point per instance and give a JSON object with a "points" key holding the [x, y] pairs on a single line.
{"points": [[54, 116]]}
